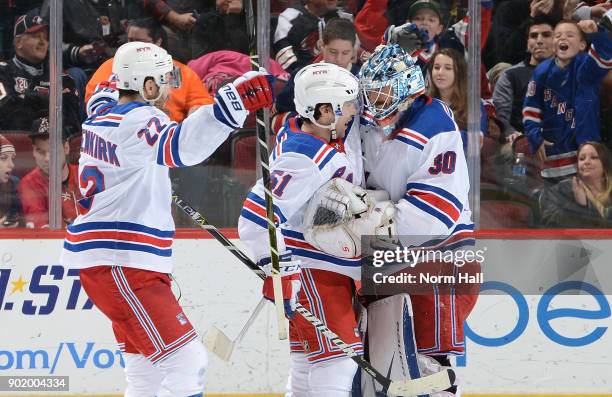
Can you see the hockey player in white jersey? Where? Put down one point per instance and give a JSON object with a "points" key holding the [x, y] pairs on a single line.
{"points": [[421, 164], [303, 161], [122, 239]]}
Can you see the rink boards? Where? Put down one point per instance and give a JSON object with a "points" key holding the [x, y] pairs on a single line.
{"points": [[527, 337]]}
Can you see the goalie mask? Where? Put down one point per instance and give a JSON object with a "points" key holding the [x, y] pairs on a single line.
{"points": [[390, 81], [136, 61], [326, 83]]}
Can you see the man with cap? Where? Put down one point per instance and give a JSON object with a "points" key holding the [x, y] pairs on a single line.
{"points": [[424, 18], [10, 207], [24, 80], [34, 187]]}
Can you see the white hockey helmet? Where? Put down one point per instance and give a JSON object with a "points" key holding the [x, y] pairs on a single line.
{"points": [[134, 62], [324, 83]]}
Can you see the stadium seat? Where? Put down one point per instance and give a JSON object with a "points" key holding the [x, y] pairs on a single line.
{"points": [[489, 170], [243, 155], [496, 214]]}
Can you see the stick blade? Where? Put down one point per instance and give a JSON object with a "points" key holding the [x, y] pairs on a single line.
{"points": [[437, 382], [218, 343]]}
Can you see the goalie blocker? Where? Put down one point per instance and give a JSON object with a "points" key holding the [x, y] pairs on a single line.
{"points": [[340, 213]]}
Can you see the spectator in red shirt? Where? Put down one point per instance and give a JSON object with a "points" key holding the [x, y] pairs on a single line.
{"points": [[34, 187]]}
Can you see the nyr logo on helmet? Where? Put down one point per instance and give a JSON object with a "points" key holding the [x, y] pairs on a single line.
{"points": [[319, 72], [143, 49]]}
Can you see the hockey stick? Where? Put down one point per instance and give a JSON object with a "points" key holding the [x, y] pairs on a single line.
{"points": [[265, 174], [217, 342], [425, 385]]}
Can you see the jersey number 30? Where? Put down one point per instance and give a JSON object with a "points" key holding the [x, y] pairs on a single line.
{"points": [[444, 162]]}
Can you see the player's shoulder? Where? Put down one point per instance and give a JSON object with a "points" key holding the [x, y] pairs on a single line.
{"points": [[431, 118], [294, 143], [113, 114]]}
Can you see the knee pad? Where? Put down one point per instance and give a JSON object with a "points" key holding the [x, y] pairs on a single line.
{"points": [[332, 378], [143, 378], [297, 385], [183, 372]]}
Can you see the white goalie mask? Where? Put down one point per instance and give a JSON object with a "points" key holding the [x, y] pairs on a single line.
{"points": [[390, 81], [134, 62], [325, 83]]}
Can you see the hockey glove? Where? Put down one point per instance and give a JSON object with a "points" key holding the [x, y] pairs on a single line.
{"points": [[338, 201], [255, 90], [408, 36], [290, 278]]}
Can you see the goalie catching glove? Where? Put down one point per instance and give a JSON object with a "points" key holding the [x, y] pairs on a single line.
{"points": [[340, 213], [290, 279]]}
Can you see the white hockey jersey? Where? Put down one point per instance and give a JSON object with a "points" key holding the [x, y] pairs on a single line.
{"points": [[125, 216], [299, 165], [423, 168]]}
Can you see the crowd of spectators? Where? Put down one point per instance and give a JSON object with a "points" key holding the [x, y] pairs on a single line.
{"points": [[546, 84]]}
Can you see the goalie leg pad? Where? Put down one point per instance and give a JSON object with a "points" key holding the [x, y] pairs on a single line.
{"points": [[392, 346]]}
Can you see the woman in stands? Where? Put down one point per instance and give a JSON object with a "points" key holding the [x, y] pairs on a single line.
{"points": [[10, 207], [584, 200], [447, 73]]}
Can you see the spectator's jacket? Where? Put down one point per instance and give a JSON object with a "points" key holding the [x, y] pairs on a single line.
{"points": [[218, 67], [562, 105], [24, 95], [297, 35], [160, 8], [560, 209], [509, 96], [34, 194], [217, 31], [192, 92], [83, 25], [371, 23]]}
